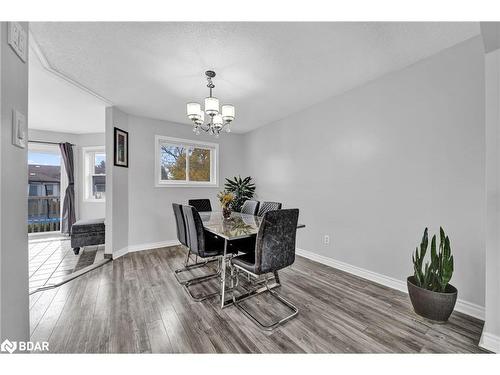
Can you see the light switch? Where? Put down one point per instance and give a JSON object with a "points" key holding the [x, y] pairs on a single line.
{"points": [[19, 129]]}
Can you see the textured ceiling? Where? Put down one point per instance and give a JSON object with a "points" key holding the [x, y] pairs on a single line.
{"points": [[56, 105], [267, 70]]}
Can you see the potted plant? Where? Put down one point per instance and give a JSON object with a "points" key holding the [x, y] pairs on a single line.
{"points": [[431, 294], [225, 199], [243, 189]]}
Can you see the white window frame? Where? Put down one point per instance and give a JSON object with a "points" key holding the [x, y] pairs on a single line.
{"points": [[187, 143], [87, 153]]}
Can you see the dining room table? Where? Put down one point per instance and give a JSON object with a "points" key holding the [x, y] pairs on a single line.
{"points": [[233, 228]]}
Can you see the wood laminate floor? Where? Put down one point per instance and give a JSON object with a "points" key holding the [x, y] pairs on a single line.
{"points": [[135, 305]]}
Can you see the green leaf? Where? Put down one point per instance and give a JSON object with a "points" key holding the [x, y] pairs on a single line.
{"points": [[242, 188]]}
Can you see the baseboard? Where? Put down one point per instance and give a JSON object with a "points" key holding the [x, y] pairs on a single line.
{"points": [[469, 308], [119, 253], [490, 342], [144, 246], [152, 245], [462, 306]]}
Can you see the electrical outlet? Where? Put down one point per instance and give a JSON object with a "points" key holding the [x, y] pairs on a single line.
{"points": [[326, 240]]}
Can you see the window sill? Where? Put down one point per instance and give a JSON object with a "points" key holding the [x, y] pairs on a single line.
{"points": [[94, 200], [186, 185]]}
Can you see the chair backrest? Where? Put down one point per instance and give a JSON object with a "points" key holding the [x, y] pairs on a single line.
{"points": [[195, 232], [250, 207], [268, 206], [275, 243], [181, 226], [201, 204]]}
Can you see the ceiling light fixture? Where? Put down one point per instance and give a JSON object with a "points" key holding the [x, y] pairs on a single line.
{"points": [[218, 120]]}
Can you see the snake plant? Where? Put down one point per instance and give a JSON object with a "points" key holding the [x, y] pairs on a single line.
{"points": [[437, 274]]}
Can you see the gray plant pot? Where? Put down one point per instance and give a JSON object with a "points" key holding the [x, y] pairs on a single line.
{"points": [[432, 305]]}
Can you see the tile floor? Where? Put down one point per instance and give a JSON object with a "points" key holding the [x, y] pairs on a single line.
{"points": [[51, 258]]}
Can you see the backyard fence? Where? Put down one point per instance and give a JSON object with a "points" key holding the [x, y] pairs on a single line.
{"points": [[44, 214]]}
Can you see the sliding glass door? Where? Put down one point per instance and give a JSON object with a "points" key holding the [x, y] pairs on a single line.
{"points": [[44, 188]]}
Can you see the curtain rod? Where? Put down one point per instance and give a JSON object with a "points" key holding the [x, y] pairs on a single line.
{"points": [[48, 143]]}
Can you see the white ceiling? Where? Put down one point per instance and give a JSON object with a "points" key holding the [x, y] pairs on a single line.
{"points": [[57, 105], [267, 70]]}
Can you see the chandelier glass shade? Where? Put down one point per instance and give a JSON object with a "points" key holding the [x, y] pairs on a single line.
{"points": [[218, 117], [211, 106]]}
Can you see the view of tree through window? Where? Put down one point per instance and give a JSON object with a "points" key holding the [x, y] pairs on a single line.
{"points": [[199, 164], [173, 163], [185, 163]]}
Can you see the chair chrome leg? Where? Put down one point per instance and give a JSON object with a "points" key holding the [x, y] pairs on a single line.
{"points": [[284, 301], [276, 277], [202, 279], [189, 267], [186, 262]]}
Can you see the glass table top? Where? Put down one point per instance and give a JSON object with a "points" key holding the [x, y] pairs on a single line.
{"points": [[237, 226]]}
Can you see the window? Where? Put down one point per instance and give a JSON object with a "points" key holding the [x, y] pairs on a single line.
{"points": [[49, 189], [95, 173], [182, 162]]}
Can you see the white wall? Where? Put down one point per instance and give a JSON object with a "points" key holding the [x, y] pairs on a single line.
{"points": [[150, 214], [85, 209], [14, 301], [376, 165], [491, 333], [117, 198]]}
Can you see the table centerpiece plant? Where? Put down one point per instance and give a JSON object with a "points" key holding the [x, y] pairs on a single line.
{"points": [[226, 199]]}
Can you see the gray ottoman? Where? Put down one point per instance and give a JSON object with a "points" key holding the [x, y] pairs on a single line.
{"points": [[87, 233]]}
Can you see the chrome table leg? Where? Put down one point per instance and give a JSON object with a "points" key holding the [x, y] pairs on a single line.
{"points": [[223, 275]]}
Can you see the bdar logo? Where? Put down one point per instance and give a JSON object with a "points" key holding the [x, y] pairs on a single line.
{"points": [[8, 346]]}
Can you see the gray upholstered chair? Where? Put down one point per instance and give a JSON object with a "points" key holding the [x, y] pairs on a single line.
{"points": [[202, 246], [179, 221], [268, 206], [200, 204], [274, 250], [183, 239], [250, 207]]}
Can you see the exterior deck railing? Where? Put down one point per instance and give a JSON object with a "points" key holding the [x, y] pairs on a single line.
{"points": [[44, 214]]}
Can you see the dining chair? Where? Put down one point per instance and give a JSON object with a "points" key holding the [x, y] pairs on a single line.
{"points": [[183, 239], [250, 207], [274, 250], [200, 204], [268, 206], [203, 246]]}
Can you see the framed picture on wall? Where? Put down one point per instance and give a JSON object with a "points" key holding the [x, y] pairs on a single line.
{"points": [[121, 148]]}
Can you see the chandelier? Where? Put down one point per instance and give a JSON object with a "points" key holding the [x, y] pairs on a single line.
{"points": [[217, 120]]}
